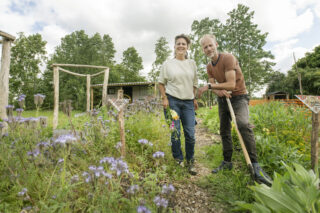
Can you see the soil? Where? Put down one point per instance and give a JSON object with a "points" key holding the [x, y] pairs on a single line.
{"points": [[189, 197]]}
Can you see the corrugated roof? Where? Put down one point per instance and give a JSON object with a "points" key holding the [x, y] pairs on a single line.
{"points": [[125, 84]]}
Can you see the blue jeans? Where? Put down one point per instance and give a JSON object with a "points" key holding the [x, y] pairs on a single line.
{"points": [[185, 110], [240, 107]]}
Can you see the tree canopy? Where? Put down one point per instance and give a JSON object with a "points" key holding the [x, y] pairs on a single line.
{"points": [[241, 37], [28, 54]]}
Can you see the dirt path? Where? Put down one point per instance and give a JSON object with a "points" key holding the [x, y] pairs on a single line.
{"points": [[190, 197]]}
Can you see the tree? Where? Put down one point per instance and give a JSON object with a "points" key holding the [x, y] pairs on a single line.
{"points": [[79, 48], [162, 51], [131, 65], [275, 82], [27, 56], [243, 39], [198, 29]]}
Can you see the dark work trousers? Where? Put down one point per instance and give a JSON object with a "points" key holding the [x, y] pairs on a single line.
{"points": [[241, 111]]}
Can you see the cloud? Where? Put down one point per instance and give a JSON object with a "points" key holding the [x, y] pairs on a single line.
{"points": [[281, 19], [284, 54], [140, 23]]}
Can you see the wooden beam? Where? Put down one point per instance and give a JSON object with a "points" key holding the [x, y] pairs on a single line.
{"points": [[7, 36], [72, 73], [79, 65], [88, 92], [105, 87], [91, 99], [56, 96]]}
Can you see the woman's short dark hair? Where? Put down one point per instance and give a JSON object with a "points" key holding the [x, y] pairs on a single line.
{"points": [[184, 37]]}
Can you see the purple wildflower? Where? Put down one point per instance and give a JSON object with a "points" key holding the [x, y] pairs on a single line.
{"points": [[109, 160], [158, 154], [133, 189], [160, 202], [61, 160], [42, 145], [120, 167], [167, 189], [23, 192], [143, 209], [63, 139], [87, 177], [74, 178], [38, 99], [118, 145], [34, 153], [143, 141], [97, 171]]}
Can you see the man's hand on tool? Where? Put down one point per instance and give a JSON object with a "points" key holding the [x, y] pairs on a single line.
{"points": [[222, 93]]}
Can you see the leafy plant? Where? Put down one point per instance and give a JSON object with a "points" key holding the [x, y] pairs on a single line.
{"points": [[296, 191]]}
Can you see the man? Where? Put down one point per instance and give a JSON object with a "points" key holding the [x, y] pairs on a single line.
{"points": [[225, 75]]}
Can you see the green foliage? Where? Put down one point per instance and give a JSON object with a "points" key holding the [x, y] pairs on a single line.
{"points": [[198, 29], [296, 191], [240, 36], [309, 69], [244, 39], [131, 65], [78, 48], [54, 175], [27, 55], [162, 51], [210, 118]]}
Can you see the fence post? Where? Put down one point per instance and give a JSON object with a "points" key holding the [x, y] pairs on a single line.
{"points": [[314, 141], [56, 96]]}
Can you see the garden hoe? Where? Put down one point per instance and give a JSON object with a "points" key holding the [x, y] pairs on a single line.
{"points": [[244, 149]]}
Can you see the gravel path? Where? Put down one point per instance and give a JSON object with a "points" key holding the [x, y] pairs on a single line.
{"points": [[189, 197]]}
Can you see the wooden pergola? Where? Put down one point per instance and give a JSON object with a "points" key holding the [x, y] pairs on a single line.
{"points": [[6, 41], [58, 67]]}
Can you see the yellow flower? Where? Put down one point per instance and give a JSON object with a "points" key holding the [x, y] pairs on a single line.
{"points": [[174, 114]]}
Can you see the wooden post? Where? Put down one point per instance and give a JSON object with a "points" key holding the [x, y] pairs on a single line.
{"points": [[88, 92], [121, 124], [314, 141], [155, 90], [91, 98], [56, 96], [4, 77], [105, 86]]}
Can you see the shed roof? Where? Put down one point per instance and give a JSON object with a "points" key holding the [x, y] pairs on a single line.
{"points": [[277, 93], [126, 84]]}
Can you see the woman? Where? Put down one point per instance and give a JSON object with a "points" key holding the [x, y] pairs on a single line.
{"points": [[177, 84]]}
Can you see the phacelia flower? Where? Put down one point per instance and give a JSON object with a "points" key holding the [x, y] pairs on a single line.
{"points": [[23, 192], [158, 154], [160, 202], [167, 189], [143, 209], [133, 189]]}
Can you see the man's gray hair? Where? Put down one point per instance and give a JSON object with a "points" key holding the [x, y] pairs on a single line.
{"points": [[208, 35]]}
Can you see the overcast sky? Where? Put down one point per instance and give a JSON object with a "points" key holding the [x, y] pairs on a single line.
{"points": [[293, 25]]}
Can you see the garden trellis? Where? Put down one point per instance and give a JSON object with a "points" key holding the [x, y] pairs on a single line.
{"points": [[6, 41], [58, 67]]}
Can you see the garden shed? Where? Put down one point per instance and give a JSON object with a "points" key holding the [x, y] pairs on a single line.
{"points": [[277, 95], [131, 90]]}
